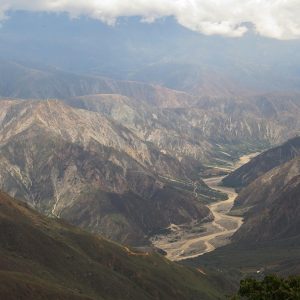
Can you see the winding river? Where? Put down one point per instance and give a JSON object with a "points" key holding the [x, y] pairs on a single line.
{"points": [[185, 242]]}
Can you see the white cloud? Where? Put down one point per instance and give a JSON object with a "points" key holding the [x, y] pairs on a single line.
{"points": [[278, 19]]}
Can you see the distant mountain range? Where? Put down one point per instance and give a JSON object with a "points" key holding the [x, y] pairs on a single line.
{"points": [[153, 111], [162, 53], [108, 152], [113, 128], [28, 82]]}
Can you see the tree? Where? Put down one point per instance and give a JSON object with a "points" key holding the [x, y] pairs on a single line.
{"points": [[271, 287]]}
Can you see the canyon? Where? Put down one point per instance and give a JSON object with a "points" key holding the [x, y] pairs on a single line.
{"points": [[186, 242], [268, 240], [127, 159], [142, 160]]}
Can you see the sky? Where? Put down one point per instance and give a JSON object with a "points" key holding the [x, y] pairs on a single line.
{"points": [[278, 19]]}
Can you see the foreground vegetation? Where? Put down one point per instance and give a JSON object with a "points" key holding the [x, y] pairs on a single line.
{"points": [[271, 287]]}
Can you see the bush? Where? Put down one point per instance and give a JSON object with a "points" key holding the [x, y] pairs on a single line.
{"points": [[271, 287]]}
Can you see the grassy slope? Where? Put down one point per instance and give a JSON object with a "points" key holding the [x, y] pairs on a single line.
{"points": [[42, 258], [278, 256]]}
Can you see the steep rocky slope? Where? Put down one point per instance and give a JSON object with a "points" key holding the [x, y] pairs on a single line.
{"points": [[263, 163], [192, 132], [132, 149], [269, 239], [272, 203], [86, 168], [151, 124], [183, 125], [42, 258]]}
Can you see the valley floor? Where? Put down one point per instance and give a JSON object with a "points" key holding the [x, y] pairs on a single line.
{"points": [[189, 241]]}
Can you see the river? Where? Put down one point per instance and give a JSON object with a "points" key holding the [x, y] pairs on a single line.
{"points": [[189, 241]]}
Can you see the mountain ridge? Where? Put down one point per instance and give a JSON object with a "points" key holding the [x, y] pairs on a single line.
{"points": [[274, 208], [43, 258], [79, 165], [264, 163]]}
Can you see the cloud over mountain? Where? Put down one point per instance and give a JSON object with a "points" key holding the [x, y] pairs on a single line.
{"points": [[271, 18]]}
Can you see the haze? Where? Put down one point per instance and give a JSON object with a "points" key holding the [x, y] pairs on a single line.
{"points": [[149, 149]]}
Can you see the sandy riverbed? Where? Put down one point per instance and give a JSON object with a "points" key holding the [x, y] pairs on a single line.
{"points": [[189, 241]]}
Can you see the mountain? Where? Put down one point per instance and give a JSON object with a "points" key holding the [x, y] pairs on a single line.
{"points": [[115, 134], [32, 81], [176, 122], [125, 150], [112, 157], [211, 130], [269, 240], [150, 123], [162, 52], [272, 203], [43, 258], [263, 163], [85, 168]]}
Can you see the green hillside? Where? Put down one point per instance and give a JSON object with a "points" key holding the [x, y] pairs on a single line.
{"points": [[42, 258]]}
